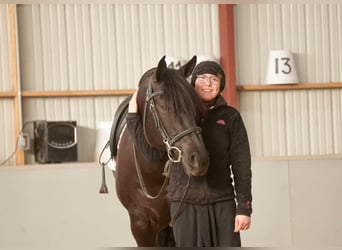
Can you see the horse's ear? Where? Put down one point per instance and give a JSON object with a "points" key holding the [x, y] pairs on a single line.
{"points": [[187, 68], [161, 69]]}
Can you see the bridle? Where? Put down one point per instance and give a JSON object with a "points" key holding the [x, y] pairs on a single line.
{"points": [[167, 140], [174, 153]]}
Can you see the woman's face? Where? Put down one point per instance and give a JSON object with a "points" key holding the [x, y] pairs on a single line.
{"points": [[207, 86]]}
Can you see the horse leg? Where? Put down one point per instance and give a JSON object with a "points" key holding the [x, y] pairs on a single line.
{"points": [[142, 228], [166, 238]]}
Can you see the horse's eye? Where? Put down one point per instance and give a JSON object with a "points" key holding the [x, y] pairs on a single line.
{"points": [[163, 108]]}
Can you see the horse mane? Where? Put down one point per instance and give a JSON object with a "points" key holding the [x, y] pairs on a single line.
{"points": [[179, 95]]}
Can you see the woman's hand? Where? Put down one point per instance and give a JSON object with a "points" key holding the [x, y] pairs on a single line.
{"points": [[133, 106], [242, 222]]}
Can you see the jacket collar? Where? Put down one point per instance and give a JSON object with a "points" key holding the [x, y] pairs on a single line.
{"points": [[219, 101]]}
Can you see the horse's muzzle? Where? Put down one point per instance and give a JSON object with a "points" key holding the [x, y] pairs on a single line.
{"points": [[196, 163]]}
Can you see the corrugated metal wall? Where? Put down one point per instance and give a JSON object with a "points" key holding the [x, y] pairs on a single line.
{"points": [[311, 31], [5, 79], [7, 145], [296, 122], [293, 122], [107, 46]]}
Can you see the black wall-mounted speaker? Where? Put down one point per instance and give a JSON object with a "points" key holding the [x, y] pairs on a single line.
{"points": [[55, 141]]}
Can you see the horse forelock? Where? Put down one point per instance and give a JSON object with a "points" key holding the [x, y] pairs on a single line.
{"points": [[179, 95]]}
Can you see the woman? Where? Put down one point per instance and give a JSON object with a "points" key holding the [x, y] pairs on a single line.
{"points": [[218, 205]]}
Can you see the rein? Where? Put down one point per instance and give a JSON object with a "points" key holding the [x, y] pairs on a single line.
{"points": [[167, 172]]}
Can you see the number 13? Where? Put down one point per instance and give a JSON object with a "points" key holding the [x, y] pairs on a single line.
{"points": [[286, 64]]}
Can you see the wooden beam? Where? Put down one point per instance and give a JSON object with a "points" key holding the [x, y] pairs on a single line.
{"points": [[19, 156], [78, 93], [301, 86], [8, 94], [227, 51]]}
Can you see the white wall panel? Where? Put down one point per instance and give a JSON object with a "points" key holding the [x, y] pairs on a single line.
{"points": [[293, 123], [103, 46], [337, 121], [297, 131], [7, 145], [109, 46], [87, 111], [298, 122], [8, 142], [335, 40], [5, 82], [311, 31]]}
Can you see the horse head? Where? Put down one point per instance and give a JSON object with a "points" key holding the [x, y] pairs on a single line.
{"points": [[171, 112]]}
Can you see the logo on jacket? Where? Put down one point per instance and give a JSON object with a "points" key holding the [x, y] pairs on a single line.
{"points": [[221, 122]]}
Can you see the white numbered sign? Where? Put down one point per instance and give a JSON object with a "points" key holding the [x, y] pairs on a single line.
{"points": [[281, 68]]}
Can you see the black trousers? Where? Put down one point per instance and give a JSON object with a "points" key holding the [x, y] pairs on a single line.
{"points": [[210, 225]]}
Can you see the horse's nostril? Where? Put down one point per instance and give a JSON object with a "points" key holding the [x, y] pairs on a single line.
{"points": [[194, 158]]}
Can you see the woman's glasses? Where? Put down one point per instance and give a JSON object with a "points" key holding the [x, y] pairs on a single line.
{"points": [[205, 79]]}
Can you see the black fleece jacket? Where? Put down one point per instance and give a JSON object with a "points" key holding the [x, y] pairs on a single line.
{"points": [[229, 175]]}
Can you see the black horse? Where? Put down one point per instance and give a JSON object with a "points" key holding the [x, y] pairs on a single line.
{"points": [[169, 108]]}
